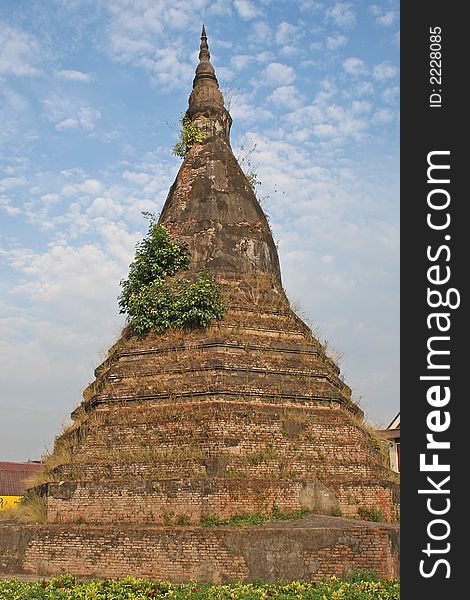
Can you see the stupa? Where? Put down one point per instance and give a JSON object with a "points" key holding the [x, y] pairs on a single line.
{"points": [[190, 428]]}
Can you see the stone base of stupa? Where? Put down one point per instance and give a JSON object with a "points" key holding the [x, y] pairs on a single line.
{"points": [[306, 549]]}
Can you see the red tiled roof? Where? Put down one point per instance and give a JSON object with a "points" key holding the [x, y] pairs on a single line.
{"points": [[13, 476]]}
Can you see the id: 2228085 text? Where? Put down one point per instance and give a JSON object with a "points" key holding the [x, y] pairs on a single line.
{"points": [[435, 67]]}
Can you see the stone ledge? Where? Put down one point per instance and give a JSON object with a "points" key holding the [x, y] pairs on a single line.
{"points": [[306, 549]]}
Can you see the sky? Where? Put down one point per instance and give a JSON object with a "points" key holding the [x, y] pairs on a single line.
{"points": [[91, 94]]}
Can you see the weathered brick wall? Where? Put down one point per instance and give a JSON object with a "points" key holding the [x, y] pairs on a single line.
{"points": [[145, 449], [380, 496], [315, 548], [187, 501], [310, 441]]}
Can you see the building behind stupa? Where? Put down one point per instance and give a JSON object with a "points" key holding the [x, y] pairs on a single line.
{"points": [[186, 429]]}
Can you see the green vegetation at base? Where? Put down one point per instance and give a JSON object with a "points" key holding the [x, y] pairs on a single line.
{"points": [[358, 587]]}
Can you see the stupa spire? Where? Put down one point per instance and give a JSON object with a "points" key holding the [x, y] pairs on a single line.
{"points": [[206, 94], [204, 53], [211, 206], [204, 70]]}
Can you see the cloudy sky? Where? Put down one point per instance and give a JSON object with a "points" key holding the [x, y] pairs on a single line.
{"points": [[91, 93]]}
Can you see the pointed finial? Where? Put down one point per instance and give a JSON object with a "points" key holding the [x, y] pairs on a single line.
{"points": [[204, 54], [206, 94], [204, 69]]}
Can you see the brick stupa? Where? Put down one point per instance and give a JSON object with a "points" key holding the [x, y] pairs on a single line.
{"points": [[246, 416]]}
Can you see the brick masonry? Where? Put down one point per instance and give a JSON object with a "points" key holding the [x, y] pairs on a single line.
{"points": [[140, 461], [307, 549], [187, 500]]}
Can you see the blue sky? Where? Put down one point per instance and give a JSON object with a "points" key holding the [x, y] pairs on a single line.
{"points": [[91, 93]]}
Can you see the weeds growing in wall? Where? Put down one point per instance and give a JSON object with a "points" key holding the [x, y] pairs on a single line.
{"points": [[189, 135]]}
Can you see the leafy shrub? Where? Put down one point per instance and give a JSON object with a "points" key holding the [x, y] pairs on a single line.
{"points": [[133, 588], [189, 135], [154, 300]]}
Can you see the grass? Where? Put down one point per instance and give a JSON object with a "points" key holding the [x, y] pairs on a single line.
{"points": [[264, 455], [370, 513], [248, 519], [62, 454], [359, 586]]}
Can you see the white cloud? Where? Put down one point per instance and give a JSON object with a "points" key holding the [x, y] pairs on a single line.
{"points": [[19, 52], [166, 69], [75, 76], [90, 186], [383, 17], [105, 206], [69, 123], [336, 41], [387, 19], [289, 50], [342, 15], [325, 130], [136, 177], [391, 94], [9, 182], [310, 6], [381, 116], [286, 96], [240, 61], [219, 7], [360, 107], [149, 35], [384, 70], [261, 33], [363, 88], [285, 33], [354, 66], [7, 206], [50, 197], [278, 74], [64, 277], [264, 57], [246, 9], [243, 108], [331, 118], [68, 113]]}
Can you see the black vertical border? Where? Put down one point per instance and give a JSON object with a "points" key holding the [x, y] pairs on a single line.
{"points": [[425, 129]]}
